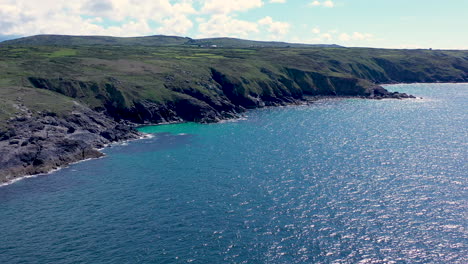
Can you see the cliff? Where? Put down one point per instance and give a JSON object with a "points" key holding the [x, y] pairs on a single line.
{"points": [[60, 103]]}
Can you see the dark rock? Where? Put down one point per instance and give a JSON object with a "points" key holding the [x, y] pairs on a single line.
{"points": [[35, 139], [70, 129], [7, 134], [378, 92], [48, 113], [38, 145], [14, 142]]}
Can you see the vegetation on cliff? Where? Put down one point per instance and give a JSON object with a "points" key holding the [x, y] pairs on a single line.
{"points": [[48, 79], [172, 80]]}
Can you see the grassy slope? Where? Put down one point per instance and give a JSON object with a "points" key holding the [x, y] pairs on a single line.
{"points": [[122, 75], [31, 101]]}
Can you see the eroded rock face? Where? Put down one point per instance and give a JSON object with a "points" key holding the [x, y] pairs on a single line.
{"points": [[40, 144]]}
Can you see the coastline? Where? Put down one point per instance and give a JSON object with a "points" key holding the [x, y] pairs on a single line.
{"points": [[17, 179], [136, 135], [39, 144]]}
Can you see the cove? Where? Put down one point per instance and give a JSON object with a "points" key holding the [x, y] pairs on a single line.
{"points": [[337, 181]]}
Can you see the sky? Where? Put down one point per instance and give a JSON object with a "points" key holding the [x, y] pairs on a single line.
{"points": [[353, 23]]}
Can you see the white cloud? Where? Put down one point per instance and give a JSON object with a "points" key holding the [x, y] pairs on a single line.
{"points": [[225, 25], [213, 18], [355, 36], [277, 29], [327, 36], [278, 1], [222, 25], [227, 7], [344, 37], [334, 36], [177, 25], [315, 3], [131, 17], [361, 36], [327, 3]]}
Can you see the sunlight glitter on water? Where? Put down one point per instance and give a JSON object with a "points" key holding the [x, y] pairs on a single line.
{"points": [[338, 181]]}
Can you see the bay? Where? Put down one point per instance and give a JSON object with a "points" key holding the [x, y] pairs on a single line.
{"points": [[337, 181]]}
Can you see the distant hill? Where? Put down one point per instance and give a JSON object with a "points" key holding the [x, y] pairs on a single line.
{"points": [[157, 40], [242, 43], [64, 40]]}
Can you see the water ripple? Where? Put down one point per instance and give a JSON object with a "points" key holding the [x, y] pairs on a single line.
{"points": [[339, 181]]}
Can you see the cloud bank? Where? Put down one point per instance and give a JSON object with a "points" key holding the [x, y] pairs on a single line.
{"points": [[282, 20]]}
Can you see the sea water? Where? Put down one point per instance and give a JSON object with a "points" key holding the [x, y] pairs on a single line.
{"points": [[337, 181]]}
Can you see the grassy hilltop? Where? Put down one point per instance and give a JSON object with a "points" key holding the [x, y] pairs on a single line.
{"points": [[161, 78], [157, 40]]}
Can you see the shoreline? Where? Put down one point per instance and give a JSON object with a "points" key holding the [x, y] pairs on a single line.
{"points": [[307, 100], [17, 179]]}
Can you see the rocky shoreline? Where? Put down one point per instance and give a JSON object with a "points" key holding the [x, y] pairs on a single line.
{"points": [[40, 144], [35, 145]]}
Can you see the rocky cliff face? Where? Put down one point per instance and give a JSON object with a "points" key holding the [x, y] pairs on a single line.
{"points": [[230, 94], [118, 85], [33, 145], [39, 144]]}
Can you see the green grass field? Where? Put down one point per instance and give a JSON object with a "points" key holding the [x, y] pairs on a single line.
{"points": [[62, 53], [101, 74]]}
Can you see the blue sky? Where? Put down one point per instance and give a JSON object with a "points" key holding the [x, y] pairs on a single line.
{"points": [[369, 23]]}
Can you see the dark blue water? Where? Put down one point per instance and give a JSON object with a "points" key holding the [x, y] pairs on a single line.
{"points": [[338, 181]]}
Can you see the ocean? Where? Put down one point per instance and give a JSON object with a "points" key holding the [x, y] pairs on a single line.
{"points": [[335, 181]]}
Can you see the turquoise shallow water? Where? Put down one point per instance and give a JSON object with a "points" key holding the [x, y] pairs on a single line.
{"points": [[338, 181]]}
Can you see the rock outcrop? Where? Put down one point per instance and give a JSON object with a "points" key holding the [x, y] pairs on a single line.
{"points": [[378, 92], [34, 145]]}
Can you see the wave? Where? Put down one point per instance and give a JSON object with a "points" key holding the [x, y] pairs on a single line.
{"points": [[121, 143], [46, 173]]}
